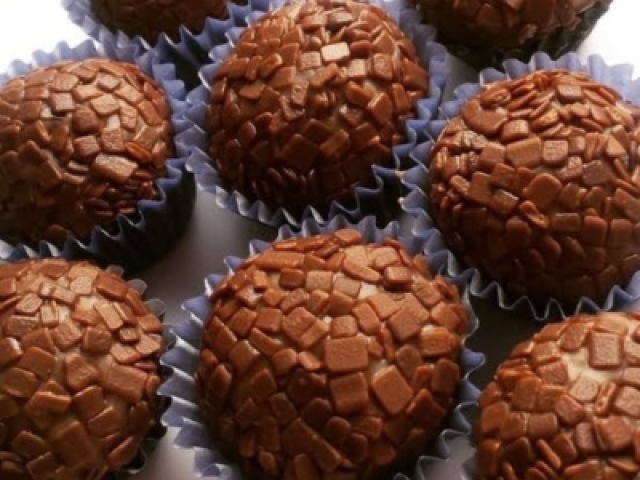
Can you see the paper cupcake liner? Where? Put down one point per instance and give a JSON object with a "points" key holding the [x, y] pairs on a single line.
{"points": [[561, 41], [137, 240], [370, 199], [155, 306], [188, 53], [416, 202], [184, 413]]}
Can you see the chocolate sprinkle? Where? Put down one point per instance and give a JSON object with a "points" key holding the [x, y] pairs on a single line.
{"points": [[583, 425], [350, 382], [537, 184], [80, 143], [70, 405], [312, 96]]}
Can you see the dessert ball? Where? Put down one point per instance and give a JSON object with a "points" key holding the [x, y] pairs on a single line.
{"points": [[565, 404], [312, 96], [537, 184], [485, 32], [326, 357], [81, 142], [151, 18], [78, 371]]}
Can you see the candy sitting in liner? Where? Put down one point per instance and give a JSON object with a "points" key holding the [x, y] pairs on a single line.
{"points": [[486, 32], [151, 18], [537, 184], [326, 357], [80, 143], [312, 96], [565, 404], [78, 371]]}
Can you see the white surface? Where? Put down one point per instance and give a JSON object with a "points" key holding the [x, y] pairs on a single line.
{"points": [[28, 25]]}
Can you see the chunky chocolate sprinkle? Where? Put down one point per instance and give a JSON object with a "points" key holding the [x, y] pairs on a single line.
{"points": [[548, 202], [352, 381], [533, 427], [149, 19], [511, 28], [80, 143], [312, 96], [70, 405]]}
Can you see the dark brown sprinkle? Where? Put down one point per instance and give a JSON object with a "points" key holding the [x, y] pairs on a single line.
{"points": [[67, 405], [300, 122], [584, 428], [535, 184], [345, 376], [86, 150]]}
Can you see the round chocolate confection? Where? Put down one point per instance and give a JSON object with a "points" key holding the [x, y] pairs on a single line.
{"points": [[313, 95], [78, 371], [566, 404], [537, 184], [80, 143], [485, 32], [151, 18], [328, 358]]}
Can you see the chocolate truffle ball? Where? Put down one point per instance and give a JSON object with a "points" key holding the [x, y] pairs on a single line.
{"points": [[485, 32], [151, 18], [78, 371], [313, 95], [537, 184], [565, 404], [326, 357], [80, 143]]}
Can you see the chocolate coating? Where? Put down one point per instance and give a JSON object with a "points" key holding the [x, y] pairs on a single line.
{"points": [[486, 32], [537, 184], [151, 18], [80, 143], [565, 404], [328, 358], [78, 371], [313, 95]]}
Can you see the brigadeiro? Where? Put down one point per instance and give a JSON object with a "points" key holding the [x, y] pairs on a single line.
{"points": [[330, 357], [312, 96], [537, 184], [486, 32], [565, 404], [149, 19], [78, 371], [88, 161]]}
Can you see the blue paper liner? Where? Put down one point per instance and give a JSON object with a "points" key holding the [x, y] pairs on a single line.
{"points": [[416, 202], [136, 240], [183, 358], [188, 53], [155, 306], [367, 200]]}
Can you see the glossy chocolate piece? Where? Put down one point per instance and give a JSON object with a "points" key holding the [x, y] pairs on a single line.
{"points": [[565, 404], [78, 371], [537, 184], [80, 143], [486, 32], [313, 95], [151, 18], [328, 358]]}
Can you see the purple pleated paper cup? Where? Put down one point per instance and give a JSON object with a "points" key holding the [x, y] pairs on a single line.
{"points": [[137, 240], [379, 198], [155, 306], [188, 52], [417, 179], [183, 360]]}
